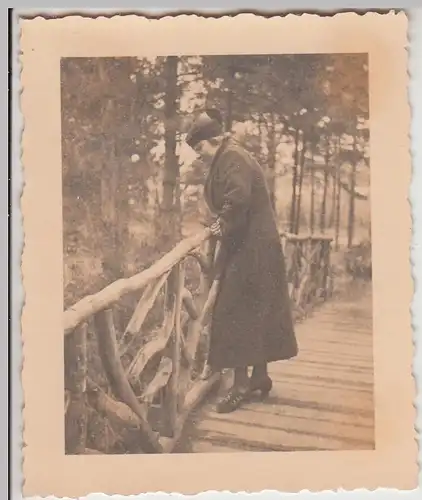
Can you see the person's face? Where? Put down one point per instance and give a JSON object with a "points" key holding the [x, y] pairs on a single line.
{"points": [[205, 151]]}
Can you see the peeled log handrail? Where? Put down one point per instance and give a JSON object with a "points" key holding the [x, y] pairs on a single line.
{"points": [[305, 237], [92, 304]]}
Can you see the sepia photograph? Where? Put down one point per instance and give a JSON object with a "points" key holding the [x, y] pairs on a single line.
{"points": [[216, 260], [216, 219]]}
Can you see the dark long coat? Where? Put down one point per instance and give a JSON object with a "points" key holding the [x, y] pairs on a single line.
{"points": [[252, 320]]}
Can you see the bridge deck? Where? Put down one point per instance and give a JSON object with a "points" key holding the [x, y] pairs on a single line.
{"points": [[322, 400]]}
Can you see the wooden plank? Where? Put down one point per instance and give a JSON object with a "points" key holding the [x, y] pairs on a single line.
{"points": [[329, 371], [335, 347], [328, 429], [344, 312], [343, 376], [203, 446], [335, 336], [314, 383], [335, 344], [359, 368], [340, 348], [341, 314], [362, 335], [347, 379], [322, 396], [361, 308], [319, 398], [309, 369], [322, 356], [312, 414], [238, 445], [273, 438], [359, 355], [340, 318], [309, 374], [322, 328]]}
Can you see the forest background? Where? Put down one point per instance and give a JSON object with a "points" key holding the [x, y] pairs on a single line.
{"points": [[132, 188]]}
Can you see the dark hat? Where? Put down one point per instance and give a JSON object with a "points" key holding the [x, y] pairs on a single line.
{"points": [[208, 124]]}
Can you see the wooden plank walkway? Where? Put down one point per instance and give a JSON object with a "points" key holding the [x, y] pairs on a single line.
{"points": [[322, 400]]}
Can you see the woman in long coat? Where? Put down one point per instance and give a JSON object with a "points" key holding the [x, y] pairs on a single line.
{"points": [[252, 321]]}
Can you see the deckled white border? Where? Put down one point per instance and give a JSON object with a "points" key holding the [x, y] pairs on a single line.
{"points": [[17, 296], [415, 198]]}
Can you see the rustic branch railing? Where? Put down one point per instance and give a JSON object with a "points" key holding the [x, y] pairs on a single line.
{"points": [[152, 372], [308, 270]]}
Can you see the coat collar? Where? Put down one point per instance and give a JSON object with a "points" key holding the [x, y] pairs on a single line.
{"points": [[227, 142], [209, 182]]}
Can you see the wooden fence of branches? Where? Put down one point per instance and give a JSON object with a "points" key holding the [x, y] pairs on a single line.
{"points": [[152, 368]]}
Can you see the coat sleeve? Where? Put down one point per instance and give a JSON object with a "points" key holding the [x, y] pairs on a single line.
{"points": [[237, 187]]}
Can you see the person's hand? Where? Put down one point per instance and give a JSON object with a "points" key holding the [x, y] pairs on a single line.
{"points": [[216, 229]]}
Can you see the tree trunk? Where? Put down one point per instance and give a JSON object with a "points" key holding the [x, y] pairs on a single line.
{"points": [[294, 183], [261, 128], [351, 218], [171, 175], [109, 197], [312, 210], [229, 116], [324, 196], [272, 149], [334, 192], [230, 96], [142, 151], [338, 202], [302, 173]]}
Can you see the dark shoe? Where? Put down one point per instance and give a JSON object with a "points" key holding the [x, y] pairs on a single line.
{"points": [[231, 401], [263, 386]]}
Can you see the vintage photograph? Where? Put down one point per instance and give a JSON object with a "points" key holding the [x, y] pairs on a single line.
{"points": [[216, 264], [217, 253]]}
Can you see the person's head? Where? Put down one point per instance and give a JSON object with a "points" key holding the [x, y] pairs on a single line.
{"points": [[206, 134], [207, 148]]}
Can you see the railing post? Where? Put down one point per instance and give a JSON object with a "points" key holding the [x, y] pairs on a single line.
{"points": [[210, 255], [169, 392], [108, 350], [75, 382], [326, 261], [176, 383]]}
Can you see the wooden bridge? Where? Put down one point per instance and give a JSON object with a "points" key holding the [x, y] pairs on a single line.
{"points": [[145, 378], [322, 400]]}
